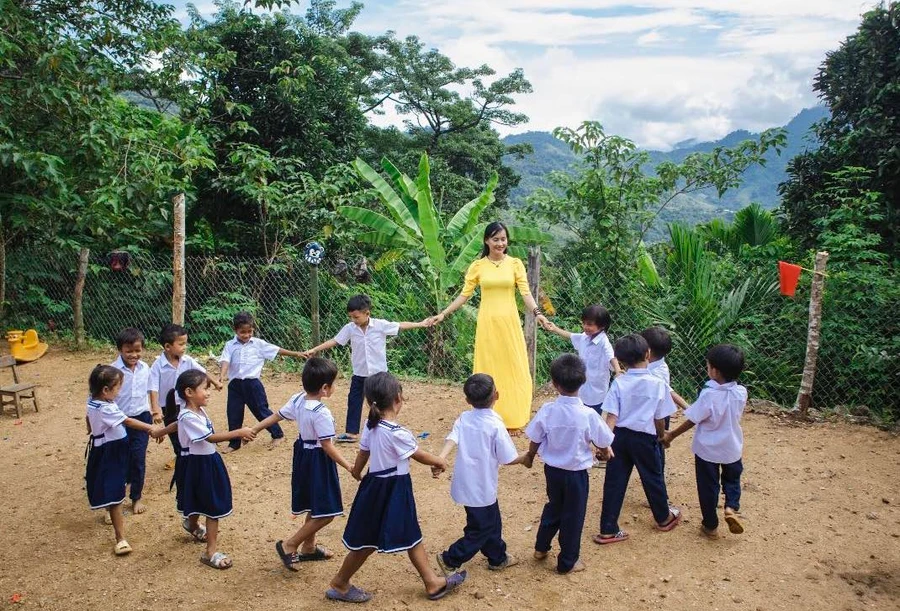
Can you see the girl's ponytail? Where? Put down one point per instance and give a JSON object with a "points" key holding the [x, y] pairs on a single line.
{"points": [[170, 409], [382, 391]]}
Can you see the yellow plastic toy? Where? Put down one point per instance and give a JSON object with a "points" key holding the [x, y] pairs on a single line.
{"points": [[25, 347]]}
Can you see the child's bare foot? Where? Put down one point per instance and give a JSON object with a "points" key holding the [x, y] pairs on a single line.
{"points": [[107, 519], [710, 533], [230, 449], [138, 507], [170, 464], [734, 524], [276, 442], [540, 555], [579, 566]]}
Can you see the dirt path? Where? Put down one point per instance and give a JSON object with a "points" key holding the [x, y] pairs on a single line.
{"points": [[821, 506]]}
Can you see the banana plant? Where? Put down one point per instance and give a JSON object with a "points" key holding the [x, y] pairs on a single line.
{"points": [[411, 226]]}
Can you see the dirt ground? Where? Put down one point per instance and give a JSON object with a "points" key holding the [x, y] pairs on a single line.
{"points": [[821, 506]]}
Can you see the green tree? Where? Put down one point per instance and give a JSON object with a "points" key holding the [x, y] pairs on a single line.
{"points": [[860, 83]]}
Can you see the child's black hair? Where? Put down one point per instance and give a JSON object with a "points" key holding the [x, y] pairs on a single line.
{"points": [[192, 378], [170, 333], [631, 349], [129, 335], [317, 372], [659, 340], [359, 303], [382, 391], [103, 376], [242, 318], [597, 315], [489, 232], [568, 372], [728, 359], [479, 390]]}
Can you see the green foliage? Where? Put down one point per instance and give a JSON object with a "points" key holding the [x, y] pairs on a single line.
{"points": [[860, 82]]}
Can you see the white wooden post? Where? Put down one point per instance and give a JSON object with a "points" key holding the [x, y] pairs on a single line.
{"points": [[178, 286], [804, 396]]}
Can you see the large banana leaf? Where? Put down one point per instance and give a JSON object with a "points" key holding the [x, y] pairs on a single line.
{"points": [[376, 238], [466, 217], [647, 271], [528, 236], [392, 201], [392, 232], [405, 186], [428, 218], [469, 252]]}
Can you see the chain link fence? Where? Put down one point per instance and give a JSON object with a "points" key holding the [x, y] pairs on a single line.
{"points": [[855, 374]]}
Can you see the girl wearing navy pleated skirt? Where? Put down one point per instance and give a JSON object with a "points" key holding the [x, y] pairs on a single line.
{"points": [[315, 488], [107, 457], [203, 485], [383, 517]]}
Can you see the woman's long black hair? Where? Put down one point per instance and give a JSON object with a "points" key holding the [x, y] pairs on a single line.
{"points": [[489, 232]]}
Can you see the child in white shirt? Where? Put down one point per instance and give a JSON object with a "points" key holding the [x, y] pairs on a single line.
{"points": [[719, 441], [636, 407], [367, 337], [483, 445], [562, 432]]}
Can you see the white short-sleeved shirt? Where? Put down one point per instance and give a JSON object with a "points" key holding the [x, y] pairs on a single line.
{"points": [[637, 398], [483, 444], [132, 398], [368, 349], [565, 428], [661, 370], [245, 361], [596, 352], [717, 413], [193, 430], [389, 446], [314, 420], [163, 376], [106, 420]]}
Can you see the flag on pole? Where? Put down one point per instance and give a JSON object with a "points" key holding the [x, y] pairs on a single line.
{"points": [[788, 276]]}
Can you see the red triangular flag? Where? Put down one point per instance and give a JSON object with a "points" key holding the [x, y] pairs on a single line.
{"points": [[788, 276]]}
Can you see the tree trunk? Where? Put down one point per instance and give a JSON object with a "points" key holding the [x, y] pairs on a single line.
{"points": [[178, 287], [804, 396], [77, 297], [534, 284]]}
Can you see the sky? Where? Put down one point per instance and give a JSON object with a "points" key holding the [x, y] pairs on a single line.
{"points": [[656, 71]]}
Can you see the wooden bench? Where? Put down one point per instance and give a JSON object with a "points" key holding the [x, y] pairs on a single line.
{"points": [[15, 393]]}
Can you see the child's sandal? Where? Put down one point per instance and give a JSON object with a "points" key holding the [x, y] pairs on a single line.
{"points": [[216, 561]]}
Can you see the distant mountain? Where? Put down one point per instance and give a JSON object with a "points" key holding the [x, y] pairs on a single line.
{"points": [[760, 183]]}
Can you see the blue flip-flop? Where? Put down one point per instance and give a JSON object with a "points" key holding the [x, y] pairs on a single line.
{"points": [[423, 435], [353, 595], [345, 438], [454, 580]]}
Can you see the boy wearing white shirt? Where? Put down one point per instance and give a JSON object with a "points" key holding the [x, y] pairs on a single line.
{"points": [[484, 444], [242, 360], [596, 351], [719, 441], [562, 432], [134, 403], [367, 337], [636, 408], [660, 343]]}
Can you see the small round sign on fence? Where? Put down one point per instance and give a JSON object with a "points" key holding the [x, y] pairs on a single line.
{"points": [[314, 253]]}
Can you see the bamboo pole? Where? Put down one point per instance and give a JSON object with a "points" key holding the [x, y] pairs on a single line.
{"points": [[78, 295], [314, 302], [178, 286], [534, 283], [804, 396]]}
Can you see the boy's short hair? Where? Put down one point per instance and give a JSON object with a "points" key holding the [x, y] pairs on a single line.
{"points": [[479, 390], [659, 340], [317, 372], [129, 335], [170, 333], [568, 372], [597, 315], [631, 349], [728, 359], [242, 318], [359, 303]]}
